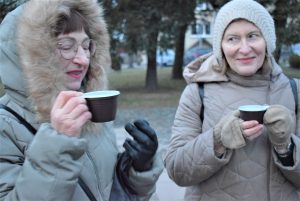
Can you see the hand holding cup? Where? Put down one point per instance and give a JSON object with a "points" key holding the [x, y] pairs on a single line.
{"points": [[253, 120]]}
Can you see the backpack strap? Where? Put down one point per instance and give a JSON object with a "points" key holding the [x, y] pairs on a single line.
{"points": [[201, 93], [294, 90], [20, 119], [33, 131], [86, 189]]}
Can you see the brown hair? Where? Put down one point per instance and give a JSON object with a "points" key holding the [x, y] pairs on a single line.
{"points": [[71, 22]]}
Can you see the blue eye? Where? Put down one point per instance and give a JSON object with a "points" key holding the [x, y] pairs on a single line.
{"points": [[253, 36], [233, 39]]}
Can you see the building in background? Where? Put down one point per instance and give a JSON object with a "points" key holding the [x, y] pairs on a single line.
{"points": [[198, 38]]}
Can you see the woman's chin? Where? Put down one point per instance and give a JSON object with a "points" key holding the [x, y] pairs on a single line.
{"points": [[73, 86]]}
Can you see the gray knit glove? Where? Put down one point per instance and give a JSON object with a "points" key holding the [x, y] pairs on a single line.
{"points": [[279, 124], [228, 131]]}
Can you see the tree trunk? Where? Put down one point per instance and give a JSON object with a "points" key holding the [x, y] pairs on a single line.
{"points": [[179, 54], [151, 75], [280, 20]]}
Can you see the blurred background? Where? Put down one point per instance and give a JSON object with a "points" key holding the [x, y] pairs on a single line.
{"points": [[152, 34], [152, 40]]}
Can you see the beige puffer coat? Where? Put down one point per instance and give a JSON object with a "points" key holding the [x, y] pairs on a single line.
{"points": [[247, 174], [47, 166]]}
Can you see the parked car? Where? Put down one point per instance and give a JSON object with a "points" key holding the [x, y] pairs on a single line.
{"points": [[165, 58], [287, 51], [194, 52], [295, 48]]}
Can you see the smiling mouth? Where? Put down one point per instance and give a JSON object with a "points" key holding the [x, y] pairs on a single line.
{"points": [[246, 60], [75, 74]]}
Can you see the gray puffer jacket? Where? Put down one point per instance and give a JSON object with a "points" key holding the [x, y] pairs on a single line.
{"points": [[250, 173], [47, 166]]}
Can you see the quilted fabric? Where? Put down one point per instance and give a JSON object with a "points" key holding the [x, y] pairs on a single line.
{"points": [[252, 172]]}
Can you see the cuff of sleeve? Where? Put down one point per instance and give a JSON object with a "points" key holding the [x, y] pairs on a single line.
{"points": [[144, 182], [287, 158]]}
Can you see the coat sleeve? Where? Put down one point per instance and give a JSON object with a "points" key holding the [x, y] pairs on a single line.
{"points": [[190, 157], [144, 182], [47, 169], [293, 173]]}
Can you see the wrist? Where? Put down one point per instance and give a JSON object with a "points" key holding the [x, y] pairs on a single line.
{"points": [[219, 150], [284, 148], [287, 158], [141, 167]]}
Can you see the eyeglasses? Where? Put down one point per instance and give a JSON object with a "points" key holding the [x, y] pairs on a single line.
{"points": [[68, 47]]}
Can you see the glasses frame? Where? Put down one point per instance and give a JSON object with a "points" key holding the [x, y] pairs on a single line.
{"points": [[73, 50]]}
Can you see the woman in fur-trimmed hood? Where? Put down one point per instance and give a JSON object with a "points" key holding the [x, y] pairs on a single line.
{"points": [[51, 52], [37, 44]]}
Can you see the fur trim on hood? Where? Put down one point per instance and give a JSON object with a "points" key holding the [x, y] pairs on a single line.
{"points": [[37, 45]]}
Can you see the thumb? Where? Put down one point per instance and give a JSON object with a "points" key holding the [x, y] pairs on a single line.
{"points": [[236, 113]]}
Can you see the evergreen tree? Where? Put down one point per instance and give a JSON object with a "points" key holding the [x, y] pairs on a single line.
{"points": [[7, 6]]}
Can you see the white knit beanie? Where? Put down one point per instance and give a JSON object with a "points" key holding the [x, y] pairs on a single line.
{"points": [[249, 10]]}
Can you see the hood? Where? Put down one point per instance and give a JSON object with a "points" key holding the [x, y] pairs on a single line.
{"points": [[10, 71], [37, 44], [207, 69]]}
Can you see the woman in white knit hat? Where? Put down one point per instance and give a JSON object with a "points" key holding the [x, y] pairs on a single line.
{"points": [[214, 153], [62, 51]]}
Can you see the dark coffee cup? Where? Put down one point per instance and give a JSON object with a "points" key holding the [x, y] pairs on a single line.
{"points": [[102, 104], [253, 112]]}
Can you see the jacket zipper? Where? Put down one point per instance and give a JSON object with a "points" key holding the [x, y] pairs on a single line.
{"points": [[97, 177]]}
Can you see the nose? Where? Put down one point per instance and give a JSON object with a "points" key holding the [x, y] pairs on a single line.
{"points": [[81, 57], [245, 47]]}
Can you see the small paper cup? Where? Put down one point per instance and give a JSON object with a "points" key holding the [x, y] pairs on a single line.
{"points": [[253, 112], [102, 104]]}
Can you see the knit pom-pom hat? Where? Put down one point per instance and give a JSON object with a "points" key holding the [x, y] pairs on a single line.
{"points": [[249, 10]]}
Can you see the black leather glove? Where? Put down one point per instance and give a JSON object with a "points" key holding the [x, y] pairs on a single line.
{"points": [[122, 172], [143, 146]]}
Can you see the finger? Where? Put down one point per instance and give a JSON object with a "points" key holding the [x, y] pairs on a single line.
{"points": [[252, 137], [73, 103], [253, 131], [136, 133], [83, 118], [78, 111], [249, 124], [144, 126], [63, 97], [130, 148]]}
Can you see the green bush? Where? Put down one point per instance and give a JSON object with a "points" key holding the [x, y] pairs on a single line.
{"points": [[294, 61]]}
